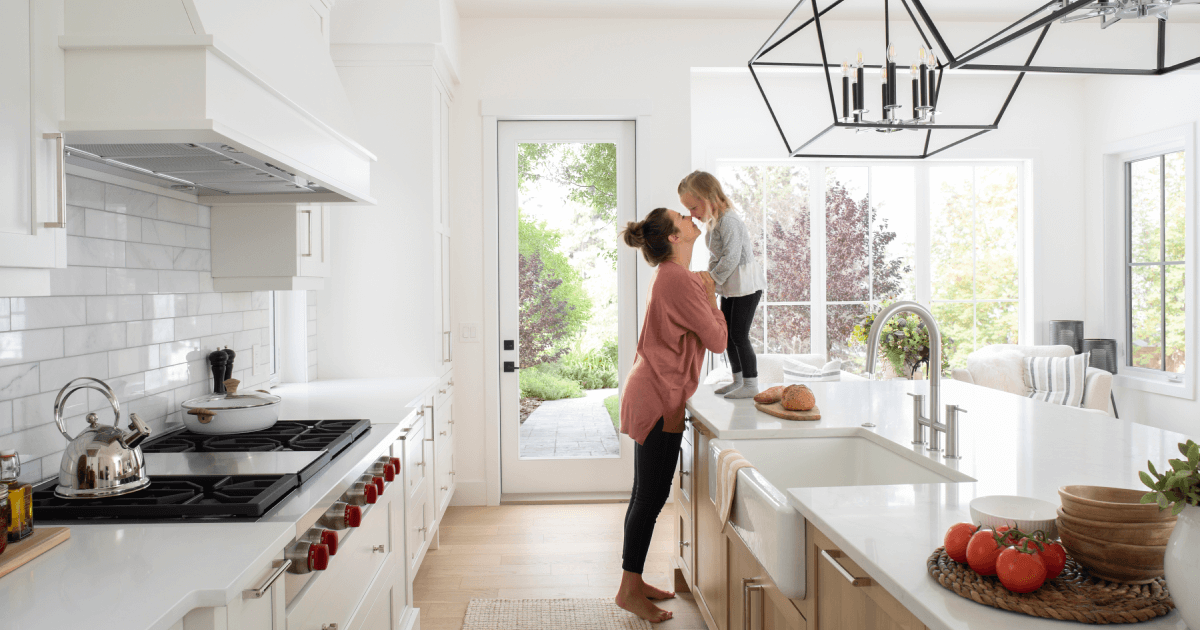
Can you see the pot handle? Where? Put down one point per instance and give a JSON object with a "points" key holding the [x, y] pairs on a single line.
{"points": [[61, 400], [203, 415]]}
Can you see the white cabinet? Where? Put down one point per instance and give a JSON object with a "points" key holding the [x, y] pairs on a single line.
{"points": [[270, 247], [32, 228], [263, 611], [442, 319]]}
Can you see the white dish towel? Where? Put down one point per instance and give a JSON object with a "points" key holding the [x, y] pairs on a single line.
{"points": [[729, 462]]}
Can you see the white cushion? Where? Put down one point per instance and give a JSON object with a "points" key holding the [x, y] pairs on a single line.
{"points": [[798, 371], [1059, 380], [1002, 366]]}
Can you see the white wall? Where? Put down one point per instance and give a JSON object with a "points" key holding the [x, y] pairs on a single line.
{"points": [[639, 59], [1121, 108]]}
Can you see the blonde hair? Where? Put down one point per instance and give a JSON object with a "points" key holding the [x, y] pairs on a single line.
{"points": [[703, 185]]}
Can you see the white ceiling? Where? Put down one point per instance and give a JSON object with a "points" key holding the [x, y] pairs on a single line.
{"points": [[939, 10]]}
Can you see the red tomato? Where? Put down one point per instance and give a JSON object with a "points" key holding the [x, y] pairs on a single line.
{"points": [[982, 552], [1020, 572], [1054, 557], [956, 541], [1013, 538]]}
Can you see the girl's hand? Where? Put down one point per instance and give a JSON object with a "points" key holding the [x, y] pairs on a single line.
{"points": [[710, 286]]}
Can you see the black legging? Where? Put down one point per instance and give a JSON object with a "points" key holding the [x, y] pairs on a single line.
{"points": [[653, 469], [739, 314]]}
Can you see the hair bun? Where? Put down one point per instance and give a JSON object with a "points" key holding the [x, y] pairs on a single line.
{"points": [[633, 234]]}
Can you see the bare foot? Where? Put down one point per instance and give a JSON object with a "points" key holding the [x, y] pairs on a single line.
{"points": [[632, 597], [640, 606], [652, 592]]}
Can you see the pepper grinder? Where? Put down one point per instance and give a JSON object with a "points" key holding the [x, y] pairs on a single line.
{"points": [[229, 365], [218, 360]]}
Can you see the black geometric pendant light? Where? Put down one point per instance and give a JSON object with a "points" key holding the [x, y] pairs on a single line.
{"points": [[881, 103], [1130, 37]]}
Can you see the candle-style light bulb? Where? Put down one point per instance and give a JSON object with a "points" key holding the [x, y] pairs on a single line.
{"points": [[883, 74], [860, 59], [932, 59], [921, 54], [914, 71], [845, 69], [891, 52]]}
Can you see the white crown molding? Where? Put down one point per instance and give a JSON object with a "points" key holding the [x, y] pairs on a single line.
{"points": [[396, 55]]}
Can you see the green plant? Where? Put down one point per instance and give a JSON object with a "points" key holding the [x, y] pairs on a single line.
{"points": [[544, 384], [594, 368], [554, 306], [1180, 486], [904, 341], [613, 405]]}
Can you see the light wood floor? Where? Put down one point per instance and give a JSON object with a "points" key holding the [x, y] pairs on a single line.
{"points": [[538, 551]]}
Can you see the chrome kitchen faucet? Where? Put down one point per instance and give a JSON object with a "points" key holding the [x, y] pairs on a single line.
{"points": [[920, 421]]}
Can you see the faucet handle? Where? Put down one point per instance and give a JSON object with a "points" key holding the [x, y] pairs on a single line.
{"points": [[952, 432], [918, 418]]}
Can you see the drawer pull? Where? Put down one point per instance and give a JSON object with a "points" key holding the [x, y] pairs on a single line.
{"points": [[684, 544], [451, 473], [441, 391], [846, 574], [748, 588], [441, 433], [329, 626], [421, 412], [421, 531], [450, 422], [684, 473], [257, 593], [378, 548], [450, 382], [445, 488]]}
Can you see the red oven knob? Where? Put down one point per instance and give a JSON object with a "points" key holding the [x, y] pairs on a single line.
{"points": [[307, 557], [341, 515], [396, 465], [362, 493], [325, 537], [381, 469], [376, 481]]}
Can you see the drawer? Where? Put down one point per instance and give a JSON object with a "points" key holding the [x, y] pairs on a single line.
{"points": [[415, 463], [444, 390], [336, 592], [418, 517], [443, 421], [686, 474], [684, 558], [444, 477]]}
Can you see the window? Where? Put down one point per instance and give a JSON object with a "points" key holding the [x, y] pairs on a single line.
{"points": [[834, 238], [1155, 257]]}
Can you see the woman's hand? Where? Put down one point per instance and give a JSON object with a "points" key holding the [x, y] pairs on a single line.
{"points": [[710, 287]]}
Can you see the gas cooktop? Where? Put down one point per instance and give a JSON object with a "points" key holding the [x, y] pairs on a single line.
{"points": [[194, 476]]}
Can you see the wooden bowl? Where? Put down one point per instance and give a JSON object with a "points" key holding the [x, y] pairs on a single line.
{"points": [[1117, 573], [1125, 533], [1139, 557], [1113, 505]]}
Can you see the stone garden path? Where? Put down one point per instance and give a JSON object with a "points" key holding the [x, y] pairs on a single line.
{"points": [[572, 427]]}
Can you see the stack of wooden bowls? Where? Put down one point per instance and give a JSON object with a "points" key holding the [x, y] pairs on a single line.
{"points": [[1114, 535]]}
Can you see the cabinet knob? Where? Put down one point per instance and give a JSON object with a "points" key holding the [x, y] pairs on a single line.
{"points": [[451, 473], [445, 488], [441, 433], [450, 382], [441, 391], [684, 473], [379, 548], [421, 531], [421, 412], [684, 544], [329, 626]]}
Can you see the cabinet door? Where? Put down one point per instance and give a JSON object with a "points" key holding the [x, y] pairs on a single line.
{"points": [[755, 603], [846, 597], [444, 209], [447, 337], [260, 613], [381, 610], [312, 230], [29, 196], [710, 573]]}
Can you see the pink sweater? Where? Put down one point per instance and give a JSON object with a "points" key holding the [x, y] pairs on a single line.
{"points": [[679, 325]]}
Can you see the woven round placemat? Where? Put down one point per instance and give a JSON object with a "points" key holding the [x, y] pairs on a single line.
{"points": [[1073, 596]]}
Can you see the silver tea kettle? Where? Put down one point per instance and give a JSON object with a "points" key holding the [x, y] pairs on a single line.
{"points": [[102, 461]]}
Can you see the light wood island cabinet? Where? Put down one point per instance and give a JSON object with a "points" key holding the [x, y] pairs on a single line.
{"points": [[734, 592]]}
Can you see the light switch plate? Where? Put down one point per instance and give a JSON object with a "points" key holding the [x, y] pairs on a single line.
{"points": [[469, 333]]}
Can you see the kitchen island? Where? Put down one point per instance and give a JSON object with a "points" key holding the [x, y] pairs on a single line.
{"points": [[1010, 446], [134, 576]]}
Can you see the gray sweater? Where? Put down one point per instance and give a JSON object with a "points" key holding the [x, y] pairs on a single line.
{"points": [[731, 260]]}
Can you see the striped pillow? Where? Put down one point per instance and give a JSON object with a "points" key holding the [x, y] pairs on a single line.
{"points": [[1058, 380]]}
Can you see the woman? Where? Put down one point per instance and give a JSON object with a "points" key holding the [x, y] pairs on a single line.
{"points": [[682, 320], [733, 269]]}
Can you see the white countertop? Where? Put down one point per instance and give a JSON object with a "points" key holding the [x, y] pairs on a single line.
{"points": [[145, 576], [1010, 445]]}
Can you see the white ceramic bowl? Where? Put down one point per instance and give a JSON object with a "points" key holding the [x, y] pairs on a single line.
{"points": [[1027, 514]]}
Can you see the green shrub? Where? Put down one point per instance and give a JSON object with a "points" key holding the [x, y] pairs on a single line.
{"points": [[593, 369], [540, 382], [613, 405]]}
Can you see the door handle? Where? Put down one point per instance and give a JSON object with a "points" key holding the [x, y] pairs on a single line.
{"points": [[511, 366], [60, 184]]}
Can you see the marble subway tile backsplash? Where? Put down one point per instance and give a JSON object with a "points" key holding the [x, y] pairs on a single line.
{"points": [[136, 308]]}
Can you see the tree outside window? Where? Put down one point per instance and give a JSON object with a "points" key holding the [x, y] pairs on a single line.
{"points": [[1155, 257]]}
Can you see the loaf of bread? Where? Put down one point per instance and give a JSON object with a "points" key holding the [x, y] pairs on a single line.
{"points": [[773, 395], [798, 398]]}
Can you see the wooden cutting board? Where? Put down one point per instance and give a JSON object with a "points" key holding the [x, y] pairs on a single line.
{"points": [[42, 539], [777, 410]]}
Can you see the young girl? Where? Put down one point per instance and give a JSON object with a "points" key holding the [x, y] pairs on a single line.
{"points": [[738, 277]]}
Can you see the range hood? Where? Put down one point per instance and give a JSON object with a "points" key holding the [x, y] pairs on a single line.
{"points": [[235, 102]]}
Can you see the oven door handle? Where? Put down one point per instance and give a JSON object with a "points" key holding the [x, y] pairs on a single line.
{"points": [[256, 593]]}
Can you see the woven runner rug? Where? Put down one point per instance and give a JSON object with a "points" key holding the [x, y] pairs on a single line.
{"points": [[550, 614]]}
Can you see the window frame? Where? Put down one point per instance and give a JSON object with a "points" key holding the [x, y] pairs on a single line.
{"points": [[817, 302], [1117, 158]]}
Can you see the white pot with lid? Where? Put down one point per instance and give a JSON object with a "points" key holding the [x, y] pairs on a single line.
{"points": [[231, 412]]}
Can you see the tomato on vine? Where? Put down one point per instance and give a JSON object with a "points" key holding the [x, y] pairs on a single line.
{"points": [[957, 538], [1020, 569]]}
